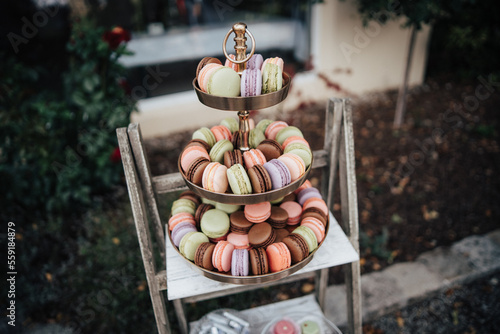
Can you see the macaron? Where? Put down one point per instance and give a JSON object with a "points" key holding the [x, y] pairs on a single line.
{"points": [[286, 326], [195, 170], [295, 139], [239, 241], [238, 180], [316, 226], [215, 223], [263, 124], [191, 153], [302, 151], [215, 178], [253, 157], [233, 157], [307, 193], [298, 247], [198, 142], [191, 195], [257, 213], [310, 327], [203, 255], [294, 211], [238, 223], [261, 235], [306, 184], [204, 134], [251, 82], [190, 242], [260, 179], [258, 261], [221, 257], [221, 132], [205, 61], [180, 217], [272, 78], [271, 149], [274, 60], [295, 165], [278, 172], [281, 233], [308, 235], [200, 211], [180, 230], [255, 61], [279, 257], [224, 81], [218, 150], [205, 74], [278, 218], [231, 123], [230, 64], [183, 205], [240, 262], [227, 208], [316, 203], [255, 137], [288, 132], [273, 129], [315, 213]]}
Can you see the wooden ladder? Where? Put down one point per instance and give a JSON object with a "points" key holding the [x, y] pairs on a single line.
{"points": [[336, 158]]}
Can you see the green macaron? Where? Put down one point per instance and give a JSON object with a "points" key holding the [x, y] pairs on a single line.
{"points": [[238, 180], [309, 235], [215, 223], [302, 151], [231, 123], [204, 134], [255, 137], [272, 78], [218, 150], [227, 208], [190, 242], [287, 132], [183, 205], [263, 124]]}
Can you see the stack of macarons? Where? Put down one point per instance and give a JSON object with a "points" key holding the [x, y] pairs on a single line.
{"points": [[253, 239], [259, 76], [278, 155]]}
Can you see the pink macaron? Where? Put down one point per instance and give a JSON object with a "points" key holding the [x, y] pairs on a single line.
{"points": [[221, 132], [221, 257], [273, 129], [294, 139], [279, 257], [294, 211], [205, 74], [215, 177], [180, 218], [274, 60], [315, 202], [295, 165], [316, 226], [190, 154], [239, 241], [257, 213], [254, 157], [229, 63], [306, 184]]}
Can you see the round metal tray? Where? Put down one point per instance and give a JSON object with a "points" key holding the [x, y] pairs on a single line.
{"points": [[228, 278], [244, 103], [230, 198]]}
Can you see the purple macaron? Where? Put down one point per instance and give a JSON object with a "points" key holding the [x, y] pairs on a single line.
{"points": [[240, 262], [307, 193], [181, 230], [279, 173], [251, 82], [255, 61]]}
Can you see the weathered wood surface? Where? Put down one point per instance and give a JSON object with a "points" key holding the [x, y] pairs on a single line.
{"points": [[184, 280]]}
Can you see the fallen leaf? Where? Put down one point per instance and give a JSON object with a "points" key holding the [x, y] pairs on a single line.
{"points": [[142, 286], [400, 321], [116, 241], [48, 277]]}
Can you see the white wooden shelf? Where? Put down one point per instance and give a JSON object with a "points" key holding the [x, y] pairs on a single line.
{"points": [[184, 281]]}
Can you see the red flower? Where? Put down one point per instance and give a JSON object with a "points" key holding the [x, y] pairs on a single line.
{"points": [[115, 37], [116, 156]]}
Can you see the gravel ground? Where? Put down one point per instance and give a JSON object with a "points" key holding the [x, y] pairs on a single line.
{"points": [[473, 307]]}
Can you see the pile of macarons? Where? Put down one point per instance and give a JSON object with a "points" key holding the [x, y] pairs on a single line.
{"points": [[259, 77], [254, 239], [278, 155]]}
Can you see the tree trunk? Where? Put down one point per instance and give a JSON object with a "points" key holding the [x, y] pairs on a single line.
{"points": [[401, 104]]}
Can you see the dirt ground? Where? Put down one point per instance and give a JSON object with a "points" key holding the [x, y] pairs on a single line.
{"points": [[433, 182]]}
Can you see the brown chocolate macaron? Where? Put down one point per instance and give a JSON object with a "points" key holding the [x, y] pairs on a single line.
{"points": [[203, 255], [238, 223], [261, 235], [260, 179], [232, 158], [198, 142], [298, 247], [196, 169], [258, 261], [271, 149], [205, 61], [192, 196], [315, 213], [278, 218], [200, 211], [281, 233]]}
